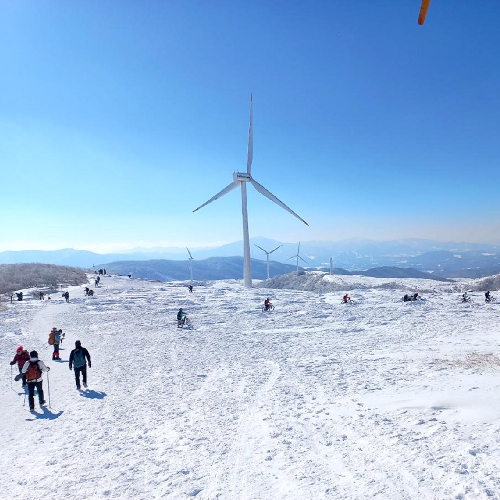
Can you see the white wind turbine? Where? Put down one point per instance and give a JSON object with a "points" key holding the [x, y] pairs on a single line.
{"points": [[241, 179], [267, 254], [190, 263], [298, 257]]}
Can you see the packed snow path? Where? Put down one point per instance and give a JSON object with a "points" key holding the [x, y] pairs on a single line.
{"points": [[375, 399]]}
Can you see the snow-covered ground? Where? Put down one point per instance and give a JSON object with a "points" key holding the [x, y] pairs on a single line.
{"points": [[375, 399]]}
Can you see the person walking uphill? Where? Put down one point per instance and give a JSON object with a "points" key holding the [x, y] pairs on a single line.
{"points": [[33, 369], [55, 338], [78, 358], [20, 358]]}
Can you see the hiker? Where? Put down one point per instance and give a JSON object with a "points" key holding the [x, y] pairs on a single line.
{"points": [[465, 297], [66, 296], [190, 288], [267, 304], [487, 297], [346, 299], [78, 358], [181, 318], [58, 336], [55, 344], [415, 296], [33, 369], [21, 356], [42, 296]]}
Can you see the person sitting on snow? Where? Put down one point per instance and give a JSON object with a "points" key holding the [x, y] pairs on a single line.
{"points": [[346, 299]]}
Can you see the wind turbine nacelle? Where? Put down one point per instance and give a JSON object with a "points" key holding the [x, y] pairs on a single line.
{"points": [[241, 177]]}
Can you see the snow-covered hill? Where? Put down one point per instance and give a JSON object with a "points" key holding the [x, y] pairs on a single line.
{"points": [[316, 400]]}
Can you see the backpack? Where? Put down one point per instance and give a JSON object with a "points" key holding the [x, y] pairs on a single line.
{"points": [[78, 358], [33, 373], [51, 338]]}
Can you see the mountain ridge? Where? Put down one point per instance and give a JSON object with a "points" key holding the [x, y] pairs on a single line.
{"points": [[445, 259]]}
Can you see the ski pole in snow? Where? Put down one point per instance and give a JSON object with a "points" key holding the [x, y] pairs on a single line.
{"points": [[48, 387], [11, 377]]}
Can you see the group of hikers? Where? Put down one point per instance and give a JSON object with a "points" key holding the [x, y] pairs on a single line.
{"points": [[31, 368]]}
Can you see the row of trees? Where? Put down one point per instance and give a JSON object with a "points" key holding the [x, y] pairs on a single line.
{"points": [[19, 276]]}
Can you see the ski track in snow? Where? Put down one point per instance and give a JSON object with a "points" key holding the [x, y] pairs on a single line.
{"points": [[377, 399]]}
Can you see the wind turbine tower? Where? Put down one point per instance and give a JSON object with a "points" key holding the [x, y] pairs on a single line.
{"points": [[298, 257], [267, 253], [190, 263], [241, 179]]}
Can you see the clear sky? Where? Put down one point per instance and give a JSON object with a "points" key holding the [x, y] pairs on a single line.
{"points": [[118, 118]]}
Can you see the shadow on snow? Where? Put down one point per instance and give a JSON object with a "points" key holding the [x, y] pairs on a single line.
{"points": [[93, 394], [46, 415]]}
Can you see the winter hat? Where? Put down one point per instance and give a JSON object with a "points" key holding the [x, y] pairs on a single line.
{"points": [[33, 354], [78, 343], [19, 349]]}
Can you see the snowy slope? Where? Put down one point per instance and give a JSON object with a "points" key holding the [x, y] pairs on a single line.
{"points": [[376, 399]]}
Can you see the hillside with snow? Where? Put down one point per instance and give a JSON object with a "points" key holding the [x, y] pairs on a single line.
{"points": [[377, 399]]}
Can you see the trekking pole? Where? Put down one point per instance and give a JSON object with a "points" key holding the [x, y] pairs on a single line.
{"points": [[11, 377], [48, 387]]}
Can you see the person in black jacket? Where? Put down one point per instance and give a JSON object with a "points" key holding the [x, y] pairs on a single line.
{"points": [[78, 358]]}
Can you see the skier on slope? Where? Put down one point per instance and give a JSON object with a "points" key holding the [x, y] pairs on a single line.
{"points": [[79, 357]]}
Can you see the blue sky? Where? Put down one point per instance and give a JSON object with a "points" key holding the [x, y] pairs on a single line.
{"points": [[118, 118]]}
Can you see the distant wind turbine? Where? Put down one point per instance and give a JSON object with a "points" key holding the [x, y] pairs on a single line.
{"points": [[241, 179], [190, 263], [298, 257], [267, 253]]}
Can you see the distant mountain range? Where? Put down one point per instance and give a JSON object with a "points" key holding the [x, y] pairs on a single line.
{"points": [[443, 259], [213, 268]]}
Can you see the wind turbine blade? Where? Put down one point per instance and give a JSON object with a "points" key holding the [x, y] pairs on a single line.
{"points": [[275, 249], [190, 256], [262, 190], [260, 248], [226, 190], [303, 260], [250, 140]]}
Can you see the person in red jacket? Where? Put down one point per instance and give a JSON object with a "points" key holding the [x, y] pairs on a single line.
{"points": [[22, 355]]}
